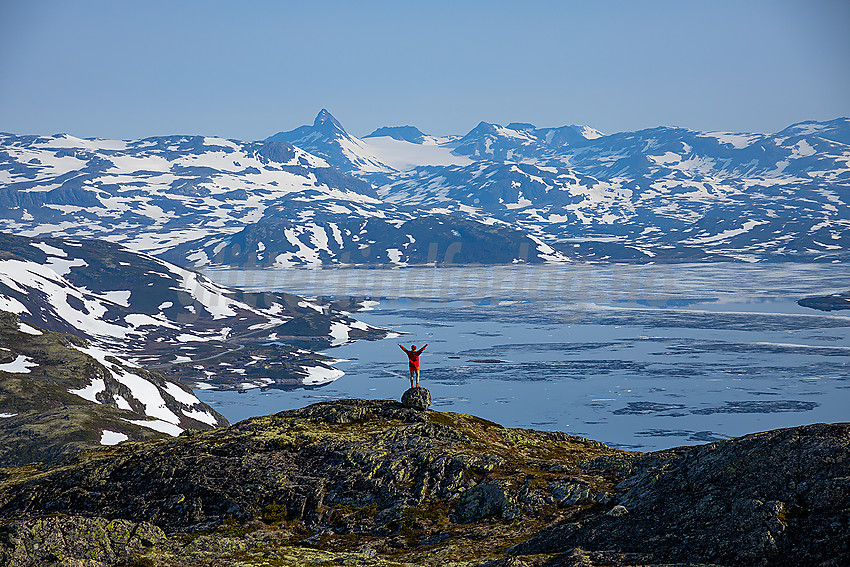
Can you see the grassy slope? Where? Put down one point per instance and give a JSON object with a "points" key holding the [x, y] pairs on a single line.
{"points": [[51, 421]]}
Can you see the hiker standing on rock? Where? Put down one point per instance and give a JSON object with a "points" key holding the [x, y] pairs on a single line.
{"points": [[413, 357]]}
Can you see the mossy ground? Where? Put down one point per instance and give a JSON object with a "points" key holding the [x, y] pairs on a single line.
{"points": [[386, 483]]}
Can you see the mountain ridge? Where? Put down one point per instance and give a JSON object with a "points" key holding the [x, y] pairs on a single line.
{"points": [[159, 315], [60, 394]]}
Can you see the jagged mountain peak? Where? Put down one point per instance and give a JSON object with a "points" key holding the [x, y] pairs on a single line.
{"points": [[589, 132], [484, 127], [325, 126], [328, 139], [488, 130], [328, 125]]}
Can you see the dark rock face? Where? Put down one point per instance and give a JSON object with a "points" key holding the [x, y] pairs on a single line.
{"points": [[435, 238], [487, 499], [405, 133], [416, 398], [775, 498], [377, 483]]}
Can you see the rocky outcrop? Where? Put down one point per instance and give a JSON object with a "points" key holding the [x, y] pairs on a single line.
{"points": [[316, 464], [416, 398], [832, 302], [390, 475], [374, 482], [775, 498]]}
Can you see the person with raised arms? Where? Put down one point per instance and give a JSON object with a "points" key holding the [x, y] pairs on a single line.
{"points": [[413, 358]]}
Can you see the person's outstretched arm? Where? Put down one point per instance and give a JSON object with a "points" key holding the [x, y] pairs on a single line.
{"points": [[402, 348], [421, 349]]}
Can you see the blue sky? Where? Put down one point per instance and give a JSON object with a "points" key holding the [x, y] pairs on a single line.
{"points": [[115, 69]]}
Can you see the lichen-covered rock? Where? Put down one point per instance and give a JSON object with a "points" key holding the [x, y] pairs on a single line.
{"points": [[416, 398], [487, 499], [373, 469], [568, 493], [74, 540]]}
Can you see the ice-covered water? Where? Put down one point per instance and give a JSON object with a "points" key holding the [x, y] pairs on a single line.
{"points": [[642, 357]]}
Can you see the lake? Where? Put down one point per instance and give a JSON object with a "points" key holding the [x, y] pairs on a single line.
{"points": [[639, 357]]}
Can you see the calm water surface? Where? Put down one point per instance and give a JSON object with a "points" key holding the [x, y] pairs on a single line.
{"points": [[644, 357]]}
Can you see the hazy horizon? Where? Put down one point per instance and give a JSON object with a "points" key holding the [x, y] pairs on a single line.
{"points": [[366, 133]]}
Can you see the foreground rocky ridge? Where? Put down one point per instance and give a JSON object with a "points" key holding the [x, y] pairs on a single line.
{"points": [[357, 482]]}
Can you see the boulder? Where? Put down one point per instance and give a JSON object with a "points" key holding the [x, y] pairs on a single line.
{"points": [[487, 499], [416, 398]]}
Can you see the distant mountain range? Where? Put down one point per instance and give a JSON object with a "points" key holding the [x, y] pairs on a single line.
{"points": [[317, 195]]}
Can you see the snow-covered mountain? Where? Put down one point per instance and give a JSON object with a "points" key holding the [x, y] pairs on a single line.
{"points": [[156, 194], [186, 198], [663, 194], [317, 195], [158, 315], [328, 139], [520, 140], [387, 150]]}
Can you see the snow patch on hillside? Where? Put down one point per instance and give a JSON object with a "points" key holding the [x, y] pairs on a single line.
{"points": [[158, 425], [28, 329], [726, 234], [21, 365], [737, 141], [108, 437], [142, 390], [320, 375], [91, 391]]}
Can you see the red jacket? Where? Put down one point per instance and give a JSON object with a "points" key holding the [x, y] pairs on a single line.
{"points": [[413, 356]]}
